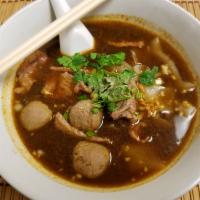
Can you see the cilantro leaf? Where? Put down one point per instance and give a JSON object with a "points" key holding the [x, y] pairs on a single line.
{"points": [[65, 61], [93, 56], [90, 133], [119, 93], [126, 75], [95, 110], [111, 106], [83, 97], [148, 77], [111, 59], [79, 60], [66, 115], [80, 76], [75, 62], [95, 79], [96, 106]]}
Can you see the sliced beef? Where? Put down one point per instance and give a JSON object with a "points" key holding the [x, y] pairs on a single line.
{"points": [[59, 86], [35, 115], [120, 68], [63, 125], [126, 109], [81, 87], [65, 86], [50, 85], [30, 71], [139, 44], [134, 57], [60, 69], [81, 116], [90, 159]]}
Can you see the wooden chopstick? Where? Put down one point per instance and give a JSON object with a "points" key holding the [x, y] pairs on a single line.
{"points": [[48, 33]]}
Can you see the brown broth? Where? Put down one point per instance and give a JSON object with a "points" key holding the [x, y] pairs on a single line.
{"points": [[58, 147]]}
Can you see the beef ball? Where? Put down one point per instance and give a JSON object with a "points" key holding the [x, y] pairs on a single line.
{"points": [[82, 117], [90, 159], [35, 115]]}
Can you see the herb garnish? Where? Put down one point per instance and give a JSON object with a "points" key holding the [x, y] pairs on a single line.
{"points": [[94, 60], [90, 133], [66, 115], [104, 60], [96, 106], [83, 97], [108, 88], [148, 77], [75, 62], [138, 94]]}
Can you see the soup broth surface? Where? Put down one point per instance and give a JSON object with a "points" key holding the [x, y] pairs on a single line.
{"points": [[158, 134]]}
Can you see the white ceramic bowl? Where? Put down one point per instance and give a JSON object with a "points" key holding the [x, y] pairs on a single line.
{"points": [[34, 184]]}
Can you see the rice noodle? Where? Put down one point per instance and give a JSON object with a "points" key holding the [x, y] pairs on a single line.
{"points": [[157, 51]]}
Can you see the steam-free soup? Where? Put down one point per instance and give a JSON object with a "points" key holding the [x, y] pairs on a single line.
{"points": [[109, 117]]}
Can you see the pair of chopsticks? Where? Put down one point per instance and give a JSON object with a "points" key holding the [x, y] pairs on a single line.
{"points": [[48, 33]]}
